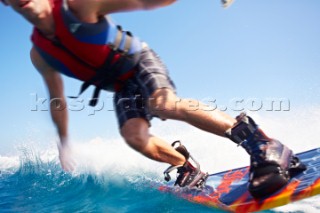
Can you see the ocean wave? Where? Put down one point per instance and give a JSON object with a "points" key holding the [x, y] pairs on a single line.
{"points": [[102, 182], [39, 185], [111, 177]]}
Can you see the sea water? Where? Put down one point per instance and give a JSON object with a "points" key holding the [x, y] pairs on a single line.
{"points": [[110, 177]]}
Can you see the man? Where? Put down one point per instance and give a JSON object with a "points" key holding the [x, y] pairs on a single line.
{"points": [[76, 38]]}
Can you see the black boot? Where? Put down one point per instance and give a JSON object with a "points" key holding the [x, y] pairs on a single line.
{"points": [[189, 174], [272, 164]]}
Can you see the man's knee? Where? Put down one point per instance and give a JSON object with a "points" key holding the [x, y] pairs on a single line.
{"points": [[135, 133], [165, 104]]}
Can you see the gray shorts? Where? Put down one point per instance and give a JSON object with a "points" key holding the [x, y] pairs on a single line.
{"points": [[151, 74]]}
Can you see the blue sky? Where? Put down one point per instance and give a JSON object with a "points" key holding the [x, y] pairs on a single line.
{"points": [[255, 49]]}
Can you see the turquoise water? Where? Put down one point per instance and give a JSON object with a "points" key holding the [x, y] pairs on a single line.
{"points": [[111, 177], [28, 183], [44, 187]]}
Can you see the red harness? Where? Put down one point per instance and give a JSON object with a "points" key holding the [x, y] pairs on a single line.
{"points": [[89, 62]]}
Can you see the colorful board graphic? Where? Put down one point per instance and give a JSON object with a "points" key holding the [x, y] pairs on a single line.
{"points": [[228, 190]]}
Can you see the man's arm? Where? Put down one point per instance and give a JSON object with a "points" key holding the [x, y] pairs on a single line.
{"points": [[104, 7], [54, 84], [58, 107], [112, 6]]}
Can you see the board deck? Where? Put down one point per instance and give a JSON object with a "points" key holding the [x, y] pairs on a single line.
{"points": [[228, 190]]}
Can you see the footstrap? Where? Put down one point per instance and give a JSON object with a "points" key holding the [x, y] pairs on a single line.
{"points": [[260, 171], [167, 172]]}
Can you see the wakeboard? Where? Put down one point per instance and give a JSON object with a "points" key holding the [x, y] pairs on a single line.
{"points": [[228, 190]]}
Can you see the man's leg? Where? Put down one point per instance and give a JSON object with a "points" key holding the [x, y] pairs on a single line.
{"points": [[271, 163], [154, 86], [165, 104], [135, 132]]}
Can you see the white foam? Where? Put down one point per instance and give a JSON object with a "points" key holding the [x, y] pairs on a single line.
{"points": [[310, 205], [100, 155], [8, 163]]}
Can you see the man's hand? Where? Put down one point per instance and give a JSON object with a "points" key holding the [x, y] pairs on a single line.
{"points": [[66, 156], [226, 3]]}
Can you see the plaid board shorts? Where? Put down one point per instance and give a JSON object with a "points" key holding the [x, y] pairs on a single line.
{"points": [[131, 101]]}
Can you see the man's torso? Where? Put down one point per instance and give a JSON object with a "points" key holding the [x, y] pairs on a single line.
{"points": [[86, 46]]}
